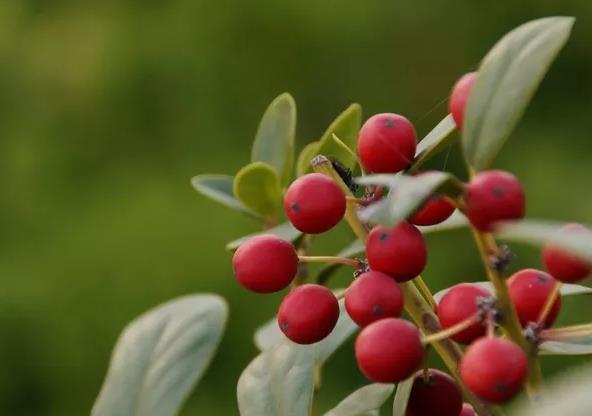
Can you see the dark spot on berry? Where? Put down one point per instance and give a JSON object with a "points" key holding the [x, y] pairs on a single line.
{"points": [[294, 206], [383, 236], [541, 278], [498, 192], [284, 326], [500, 387], [377, 310], [388, 123], [436, 197]]}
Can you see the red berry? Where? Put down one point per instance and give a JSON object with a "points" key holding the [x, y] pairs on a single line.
{"points": [[314, 203], [400, 251], [460, 96], [459, 304], [494, 369], [529, 290], [265, 264], [308, 314], [386, 143], [373, 296], [563, 265], [435, 210], [389, 350], [492, 196], [467, 410], [438, 395]]}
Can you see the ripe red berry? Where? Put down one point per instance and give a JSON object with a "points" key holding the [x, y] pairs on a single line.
{"points": [[459, 304], [529, 290], [386, 143], [308, 314], [389, 350], [314, 203], [373, 296], [460, 96], [493, 196], [435, 210], [563, 265], [265, 264], [436, 395], [400, 251], [467, 410], [494, 369]]}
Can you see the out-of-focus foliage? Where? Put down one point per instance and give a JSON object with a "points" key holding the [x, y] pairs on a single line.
{"points": [[108, 108]]}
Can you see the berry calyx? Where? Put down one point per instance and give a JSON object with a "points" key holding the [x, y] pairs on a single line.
{"points": [[460, 96], [399, 252], [389, 350], [492, 196], [436, 394], [373, 296], [435, 210], [563, 265], [459, 304], [265, 264], [494, 369], [386, 143], [308, 314], [529, 290], [314, 203], [467, 410]]}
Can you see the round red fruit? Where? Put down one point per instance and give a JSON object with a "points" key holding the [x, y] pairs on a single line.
{"points": [[492, 196], [389, 350], [436, 394], [373, 296], [435, 210], [314, 203], [467, 410], [265, 264], [308, 314], [460, 96], [399, 252], [529, 290], [459, 304], [494, 369], [563, 265], [386, 143]]}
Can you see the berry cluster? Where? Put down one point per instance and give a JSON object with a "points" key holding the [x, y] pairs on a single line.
{"points": [[390, 349]]}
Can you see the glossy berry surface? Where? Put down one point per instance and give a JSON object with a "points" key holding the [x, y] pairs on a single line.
{"points": [[492, 196], [386, 143], [399, 252], [435, 210], [265, 264], [494, 369], [436, 394], [459, 304], [314, 203], [529, 290], [561, 264], [308, 314], [373, 296], [460, 96], [467, 410], [389, 350]]}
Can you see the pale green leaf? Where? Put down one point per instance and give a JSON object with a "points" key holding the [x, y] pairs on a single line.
{"points": [[434, 142], [402, 397], [258, 186], [307, 154], [219, 188], [582, 346], [508, 78], [362, 401], [160, 356], [284, 230]]}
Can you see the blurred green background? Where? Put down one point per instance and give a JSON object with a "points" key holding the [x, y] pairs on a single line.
{"points": [[108, 108]]}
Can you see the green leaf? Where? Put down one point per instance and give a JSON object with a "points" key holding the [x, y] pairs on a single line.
{"points": [[344, 149], [306, 155], [274, 141], [434, 142], [567, 289], [407, 194], [455, 221], [219, 189], [160, 356], [572, 347], [284, 230], [257, 185], [279, 381], [542, 232], [362, 401], [508, 78], [402, 397]]}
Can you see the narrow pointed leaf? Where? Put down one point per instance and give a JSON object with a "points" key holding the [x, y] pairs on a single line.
{"points": [[508, 78], [219, 188], [284, 230], [160, 356], [402, 397], [274, 141], [582, 346], [257, 185], [437, 139], [364, 400]]}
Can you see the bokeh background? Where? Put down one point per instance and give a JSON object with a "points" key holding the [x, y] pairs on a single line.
{"points": [[108, 108]]}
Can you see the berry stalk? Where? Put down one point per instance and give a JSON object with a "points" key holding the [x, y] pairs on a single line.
{"points": [[330, 259], [415, 304]]}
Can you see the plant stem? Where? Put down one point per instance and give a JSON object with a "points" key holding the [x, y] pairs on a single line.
{"points": [[330, 259], [425, 290], [549, 304], [509, 321], [455, 329], [415, 305]]}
